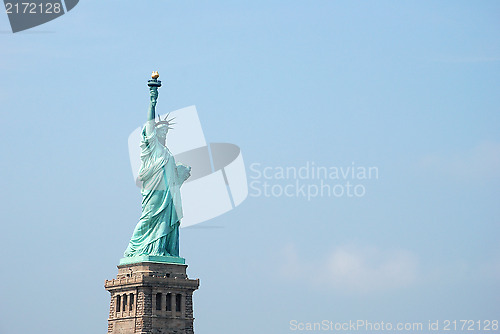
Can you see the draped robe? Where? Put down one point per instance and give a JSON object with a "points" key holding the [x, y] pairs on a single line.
{"points": [[157, 232]]}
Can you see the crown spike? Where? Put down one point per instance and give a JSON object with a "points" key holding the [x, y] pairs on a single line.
{"points": [[167, 122]]}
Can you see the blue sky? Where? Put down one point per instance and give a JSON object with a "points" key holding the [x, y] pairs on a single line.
{"points": [[409, 87]]}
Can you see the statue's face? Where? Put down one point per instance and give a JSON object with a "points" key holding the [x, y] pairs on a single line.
{"points": [[161, 132]]}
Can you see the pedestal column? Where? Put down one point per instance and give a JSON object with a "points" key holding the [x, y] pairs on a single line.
{"points": [[147, 287]]}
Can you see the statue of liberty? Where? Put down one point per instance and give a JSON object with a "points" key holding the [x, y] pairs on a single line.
{"points": [[157, 233]]}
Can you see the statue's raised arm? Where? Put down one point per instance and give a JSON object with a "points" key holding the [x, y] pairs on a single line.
{"points": [[153, 84]]}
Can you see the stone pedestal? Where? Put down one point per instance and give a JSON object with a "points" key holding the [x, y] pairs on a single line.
{"points": [[151, 298]]}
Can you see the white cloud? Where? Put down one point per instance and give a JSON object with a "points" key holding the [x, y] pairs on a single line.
{"points": [[471, 59], [490, 268], [350, 268], [365, 270], [480, 162], [480, 271]]}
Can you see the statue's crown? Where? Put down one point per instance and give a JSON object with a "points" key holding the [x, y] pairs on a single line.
{"points": [[166, 121]]}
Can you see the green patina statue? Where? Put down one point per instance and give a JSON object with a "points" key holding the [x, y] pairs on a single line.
{"points": [[156, 236]]}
